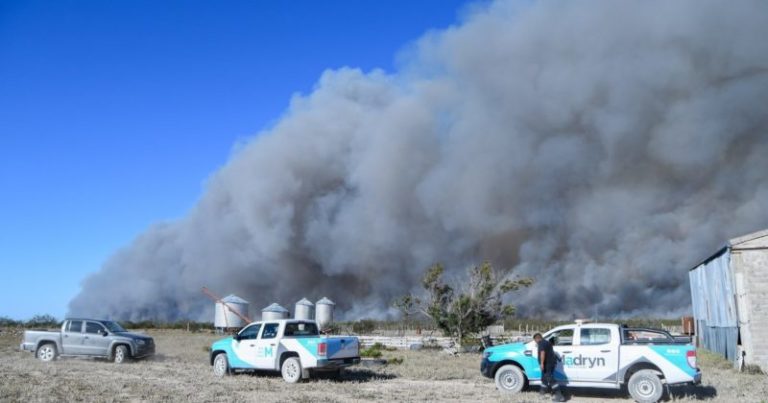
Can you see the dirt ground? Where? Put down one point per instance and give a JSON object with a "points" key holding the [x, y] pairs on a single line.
{"points": [[181, 372]]}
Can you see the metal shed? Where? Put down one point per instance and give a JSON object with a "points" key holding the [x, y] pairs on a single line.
{"points": [[728, 292]]}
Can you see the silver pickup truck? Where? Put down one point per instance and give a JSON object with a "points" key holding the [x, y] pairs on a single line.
{"points": [[88, 337]]}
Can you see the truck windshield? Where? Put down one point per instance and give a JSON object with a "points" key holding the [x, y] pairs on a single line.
{"points": [[113, 327], [300, 329]]}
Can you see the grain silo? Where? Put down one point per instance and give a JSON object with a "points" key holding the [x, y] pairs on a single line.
{"points": [[274, 311], [225, 318], [304, 310], [324, 312], [729, 290]]}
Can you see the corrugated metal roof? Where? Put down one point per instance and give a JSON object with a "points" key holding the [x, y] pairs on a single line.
{"points": [[735, 242], [714, 256], [275, 307], [234, 299]]}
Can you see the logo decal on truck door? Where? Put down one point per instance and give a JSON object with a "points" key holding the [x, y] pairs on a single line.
{"points": [[581, 361], [265, 352]]}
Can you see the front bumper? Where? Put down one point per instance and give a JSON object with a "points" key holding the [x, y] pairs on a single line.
{"points": [[146, 350], [697, 378], [486, 368]]}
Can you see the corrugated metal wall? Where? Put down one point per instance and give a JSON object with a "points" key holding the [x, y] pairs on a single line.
{"points": [[714, 305]]}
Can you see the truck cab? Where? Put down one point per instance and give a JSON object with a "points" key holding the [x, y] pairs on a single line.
{"points": [[598, 355], [293, 347]]}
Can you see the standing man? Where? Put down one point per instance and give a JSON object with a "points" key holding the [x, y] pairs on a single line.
{"points": [[547, 363]]}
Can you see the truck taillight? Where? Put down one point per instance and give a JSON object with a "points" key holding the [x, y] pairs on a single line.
{"points": [[691, 357], [322, 349]]}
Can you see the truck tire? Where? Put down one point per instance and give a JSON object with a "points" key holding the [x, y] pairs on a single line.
{"points": [[122, 354], [46, 352], [510, 379], [645, 386], [291, 370], [221, 365]]}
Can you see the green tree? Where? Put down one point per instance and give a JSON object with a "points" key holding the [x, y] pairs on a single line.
{"points": [[468, 308]]}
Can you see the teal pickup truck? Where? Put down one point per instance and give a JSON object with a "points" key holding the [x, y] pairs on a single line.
{"points": [[599, 356], [293, 347]]}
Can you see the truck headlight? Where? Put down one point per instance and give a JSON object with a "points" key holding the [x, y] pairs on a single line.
{"points": [[140, 342]]}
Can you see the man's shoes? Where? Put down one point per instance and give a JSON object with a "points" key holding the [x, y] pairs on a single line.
{"points": [[558, 397]]}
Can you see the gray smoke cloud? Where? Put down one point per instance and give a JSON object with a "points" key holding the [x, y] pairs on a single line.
{"points": [[603, 147]]}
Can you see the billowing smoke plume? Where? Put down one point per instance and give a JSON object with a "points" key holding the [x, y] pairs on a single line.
{"points": [[602, 147]]}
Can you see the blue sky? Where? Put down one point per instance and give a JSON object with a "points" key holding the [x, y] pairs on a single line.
{"points": [[113, 113]]}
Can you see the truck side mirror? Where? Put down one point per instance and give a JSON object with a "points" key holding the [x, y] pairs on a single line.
{"points": [[104, 333], [237, 337]]}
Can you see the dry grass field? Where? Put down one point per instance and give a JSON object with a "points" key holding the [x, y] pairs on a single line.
{"points": [[180, 372]]}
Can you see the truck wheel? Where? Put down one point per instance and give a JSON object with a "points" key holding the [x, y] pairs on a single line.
{"points": [[46, 352], [645, 386], [221, 365], [122, 354], [291, 369], [510, 379]]}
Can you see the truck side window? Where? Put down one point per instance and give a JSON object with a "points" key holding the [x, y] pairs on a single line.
{"points": [[270, 331], [647, 336], [300, 329], [251, 332], [75, 326], [561, 338], [93, 327], [595, 336]]}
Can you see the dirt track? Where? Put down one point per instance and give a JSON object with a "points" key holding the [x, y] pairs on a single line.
{"points": [[180, 372]]}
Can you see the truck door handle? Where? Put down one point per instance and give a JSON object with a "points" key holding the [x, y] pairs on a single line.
{"points": [[251, 345], [567, 352], [273, 344], [605, 351]]}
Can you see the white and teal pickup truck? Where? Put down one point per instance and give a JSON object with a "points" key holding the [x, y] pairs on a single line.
{"points": [[599, 355], [293, 347]]}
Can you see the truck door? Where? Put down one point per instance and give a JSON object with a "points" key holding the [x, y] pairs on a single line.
{"points": [[72, 338], [595, 358], [266, 347], [562, 343], [94, 340], [245, 348]]}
